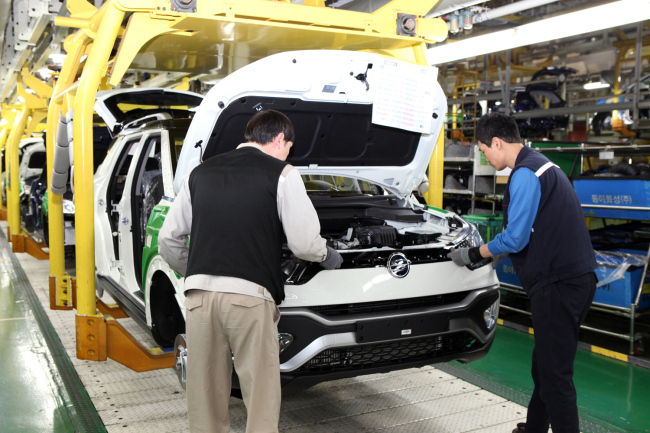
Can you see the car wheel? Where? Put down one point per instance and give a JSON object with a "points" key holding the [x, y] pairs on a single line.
{"points": [[166, 318], [180, 354]]}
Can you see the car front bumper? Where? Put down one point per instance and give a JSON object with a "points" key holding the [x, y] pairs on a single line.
{"points": [[328, 347]]}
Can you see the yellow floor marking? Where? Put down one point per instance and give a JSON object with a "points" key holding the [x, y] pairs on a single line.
{"points": [[609, 353]]}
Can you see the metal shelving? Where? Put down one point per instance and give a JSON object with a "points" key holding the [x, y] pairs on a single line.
{"points": [[479, 167]]}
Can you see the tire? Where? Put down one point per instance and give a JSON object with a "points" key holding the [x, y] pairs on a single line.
{"points": [[166, 318], [46, 230]]}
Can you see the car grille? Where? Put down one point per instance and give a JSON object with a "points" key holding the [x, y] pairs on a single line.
{"points": [[391, 305], [374, 355]]}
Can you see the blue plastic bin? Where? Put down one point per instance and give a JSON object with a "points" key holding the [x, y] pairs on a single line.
{"points": [[619, 293], [622, 292], [506, 273], [614, 192]]}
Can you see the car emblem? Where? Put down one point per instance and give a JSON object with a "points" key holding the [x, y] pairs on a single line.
{"points": [[398, 265]]}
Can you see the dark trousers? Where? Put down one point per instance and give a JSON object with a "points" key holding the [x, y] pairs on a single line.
{"points": [[558, 311]]}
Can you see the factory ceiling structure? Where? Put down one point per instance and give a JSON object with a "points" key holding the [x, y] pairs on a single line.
{"points": [[461, 200]]}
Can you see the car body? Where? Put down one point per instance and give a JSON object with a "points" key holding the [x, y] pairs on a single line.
{"points": [[38, 201], [396, 302], [121, 110], [603, 121], [31, 161], [26, 170], [530, 98]]}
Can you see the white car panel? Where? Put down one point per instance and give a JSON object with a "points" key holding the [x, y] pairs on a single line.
{"points": [[349, 286], [304, 74]]}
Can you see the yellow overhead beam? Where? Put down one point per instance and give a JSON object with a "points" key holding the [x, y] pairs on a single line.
{"points": [[41, 89], [32, 102], [416, 7], [77, 7], [165, 39], [185, 84], [34, 120], [8, 114]]}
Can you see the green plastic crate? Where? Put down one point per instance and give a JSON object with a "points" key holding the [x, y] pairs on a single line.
{"points": [[488, 225]]}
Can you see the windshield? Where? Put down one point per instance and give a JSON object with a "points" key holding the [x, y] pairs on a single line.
{"points": [[339, 185]]}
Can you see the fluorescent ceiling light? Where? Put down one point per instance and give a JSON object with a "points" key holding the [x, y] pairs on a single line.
{"points": [[3, 122], [597, 85], [598, 18]]}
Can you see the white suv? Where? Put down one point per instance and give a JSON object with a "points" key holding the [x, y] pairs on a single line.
{"points": [[397, 301]]}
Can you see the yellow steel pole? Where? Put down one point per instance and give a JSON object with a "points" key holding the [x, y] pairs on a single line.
{"points": [[436, 169], [59, 281], [3, 137], [3, 140], [436, 177], [13, 193], [83, 156]]}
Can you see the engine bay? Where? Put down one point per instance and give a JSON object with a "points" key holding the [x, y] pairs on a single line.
{"points": [[369, 241]]}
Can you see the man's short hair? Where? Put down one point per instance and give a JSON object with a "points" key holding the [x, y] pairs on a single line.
{"points": [[266, 125], [497, 125]]}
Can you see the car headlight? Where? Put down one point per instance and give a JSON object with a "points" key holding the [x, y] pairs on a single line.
{"points": [[474, 237], [68, 207], [491, 314]]}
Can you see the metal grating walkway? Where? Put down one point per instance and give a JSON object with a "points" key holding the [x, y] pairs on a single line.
{"points": [[407, 401]]}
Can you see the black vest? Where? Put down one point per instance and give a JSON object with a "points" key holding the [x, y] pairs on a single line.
{"points": [[236, 230], [560, 246]]}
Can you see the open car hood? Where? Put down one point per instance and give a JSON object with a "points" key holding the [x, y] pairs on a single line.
{"points": [[331, 111], [119, 107]]}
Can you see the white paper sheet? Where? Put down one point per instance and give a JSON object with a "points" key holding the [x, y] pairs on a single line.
{"points": [[403, 95]]}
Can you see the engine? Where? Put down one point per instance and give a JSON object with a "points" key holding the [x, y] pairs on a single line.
{"points": [[359, 237]]}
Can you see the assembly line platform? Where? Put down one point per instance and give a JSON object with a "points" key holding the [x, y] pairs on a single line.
{"points": [[44, 386]]}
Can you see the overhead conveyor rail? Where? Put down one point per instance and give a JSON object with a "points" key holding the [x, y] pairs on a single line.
{"points": [[196, 37]]}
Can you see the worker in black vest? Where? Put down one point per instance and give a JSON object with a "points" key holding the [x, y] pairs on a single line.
{"points": [[547, 238], [237, 207]]}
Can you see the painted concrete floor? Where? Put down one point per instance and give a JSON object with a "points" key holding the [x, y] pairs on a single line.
{"points": [[416, 400], [610, 392]]}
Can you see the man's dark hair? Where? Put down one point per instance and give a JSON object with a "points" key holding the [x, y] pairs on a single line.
{"points": [[266, 125], [497, 125]]}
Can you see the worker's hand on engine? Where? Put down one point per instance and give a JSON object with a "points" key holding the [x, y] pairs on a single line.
{"points": [[333, 259]]}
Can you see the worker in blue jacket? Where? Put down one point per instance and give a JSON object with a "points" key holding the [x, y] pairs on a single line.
{"points": [[547, 239]]}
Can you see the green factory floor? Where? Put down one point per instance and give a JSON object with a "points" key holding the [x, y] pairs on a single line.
{"points": [[612, 395], [39, 387], [30, 400]]}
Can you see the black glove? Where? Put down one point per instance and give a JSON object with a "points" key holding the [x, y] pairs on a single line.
{"points": [[333, 259], [497, 259], [465, 256]]}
